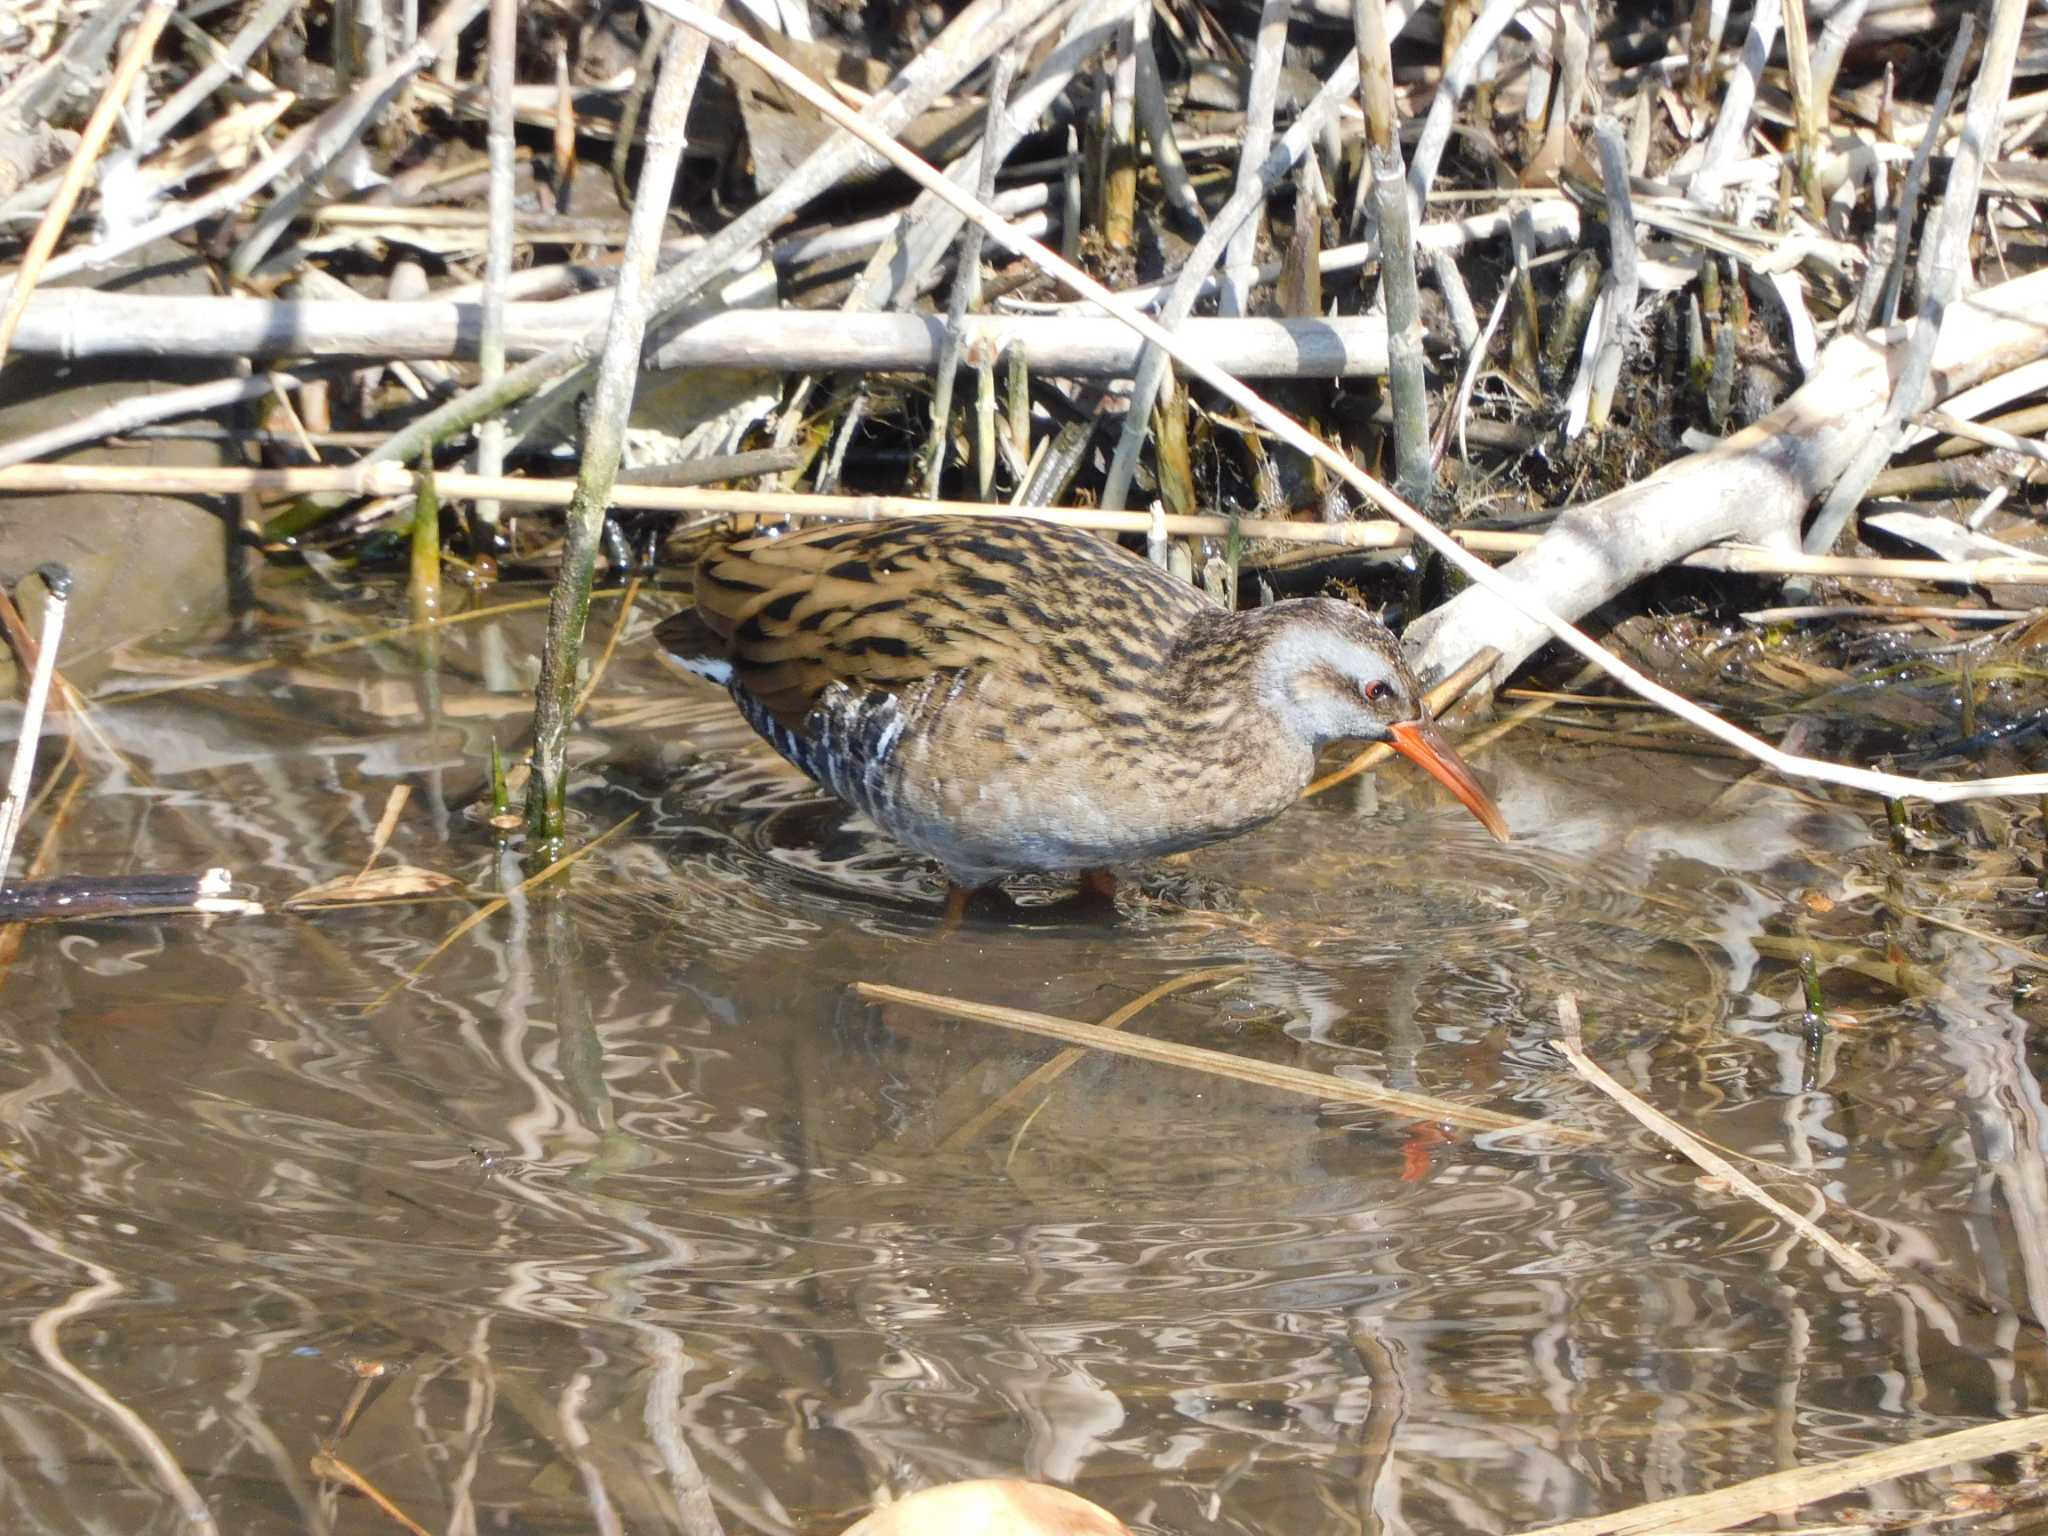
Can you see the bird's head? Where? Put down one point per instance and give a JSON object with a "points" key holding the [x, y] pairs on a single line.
{"points": [[1331, 672]]}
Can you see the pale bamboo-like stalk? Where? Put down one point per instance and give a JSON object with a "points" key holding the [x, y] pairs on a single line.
{"points": [[97, 127], [1290, 431], [1249, 197], [1900, 229], [967, 277], [1120, 180], [1808, 114], [1944, 258], [569, 606], [970, 39], [21, 772], [1261, 97], [1157, 122], [1622, 279], [345, 122], [1407, 380], [499, 141], [1731, 127], [389, 480], [1458, 78]]}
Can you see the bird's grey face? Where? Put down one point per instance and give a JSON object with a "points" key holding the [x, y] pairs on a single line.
{"points": [[1333, 673]]}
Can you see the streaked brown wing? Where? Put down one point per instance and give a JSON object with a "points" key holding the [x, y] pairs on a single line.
{"points": [[887, 605]]}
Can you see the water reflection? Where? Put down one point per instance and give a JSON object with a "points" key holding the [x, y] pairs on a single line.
{"points": [[624, 1189]]}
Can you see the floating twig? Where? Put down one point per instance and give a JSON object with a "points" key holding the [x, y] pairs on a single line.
{"points": [[1853, 1264], [1782, 1492], [1316, 1085]]}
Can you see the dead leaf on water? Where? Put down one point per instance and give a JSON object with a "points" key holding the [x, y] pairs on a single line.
{"points": [[396, 882]]}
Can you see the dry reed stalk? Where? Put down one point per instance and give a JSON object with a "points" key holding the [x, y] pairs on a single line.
{"points": [[134, 58], [1944, 261], [1406, 377], [976, 34], [387, 480], [1262, 95], [1783, 1492], [1315, 1085], [966, 277], [501, 74], [1689, 1146], [604, 437]]}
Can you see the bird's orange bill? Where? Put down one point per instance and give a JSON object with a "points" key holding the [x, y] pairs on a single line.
{"points": [[1422, 743]]}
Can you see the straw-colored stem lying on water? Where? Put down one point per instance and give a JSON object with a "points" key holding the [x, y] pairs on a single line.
{"points": [[1316, 1085]]}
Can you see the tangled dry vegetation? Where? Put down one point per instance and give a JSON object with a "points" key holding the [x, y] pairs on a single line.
{"points": [[1673, 298]]}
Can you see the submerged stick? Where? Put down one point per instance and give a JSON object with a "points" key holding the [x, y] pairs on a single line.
{"points": [[1315, 1085], [1052, 1071], [1682, 1141], [77, 897]]}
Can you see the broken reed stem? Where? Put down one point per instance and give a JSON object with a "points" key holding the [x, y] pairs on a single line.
{"points": [[1157, 122], [144, 409], [1682, 1141], [970, 39], [1407, 381], [1944, 259], [1618, 323], [500, 75], [1154, 365], [1915, 185], [967, 277], [1120, 184], [381, 480], [1315, 1085], [1261, 97], [1806, 112], [1459, 75], [603, 442], [1288, 430], [134, 57], [329, 136], [1990, 437], [1731, 127]]}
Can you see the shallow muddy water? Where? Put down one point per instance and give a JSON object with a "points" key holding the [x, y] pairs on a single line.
{"points": [[626, 1186]]}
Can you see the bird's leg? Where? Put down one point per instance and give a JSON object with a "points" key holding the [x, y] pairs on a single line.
{"points": [[1098, 885], [957, 899]]}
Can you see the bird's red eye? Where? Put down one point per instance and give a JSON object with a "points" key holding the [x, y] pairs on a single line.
{"points": [[1376, 692]]}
